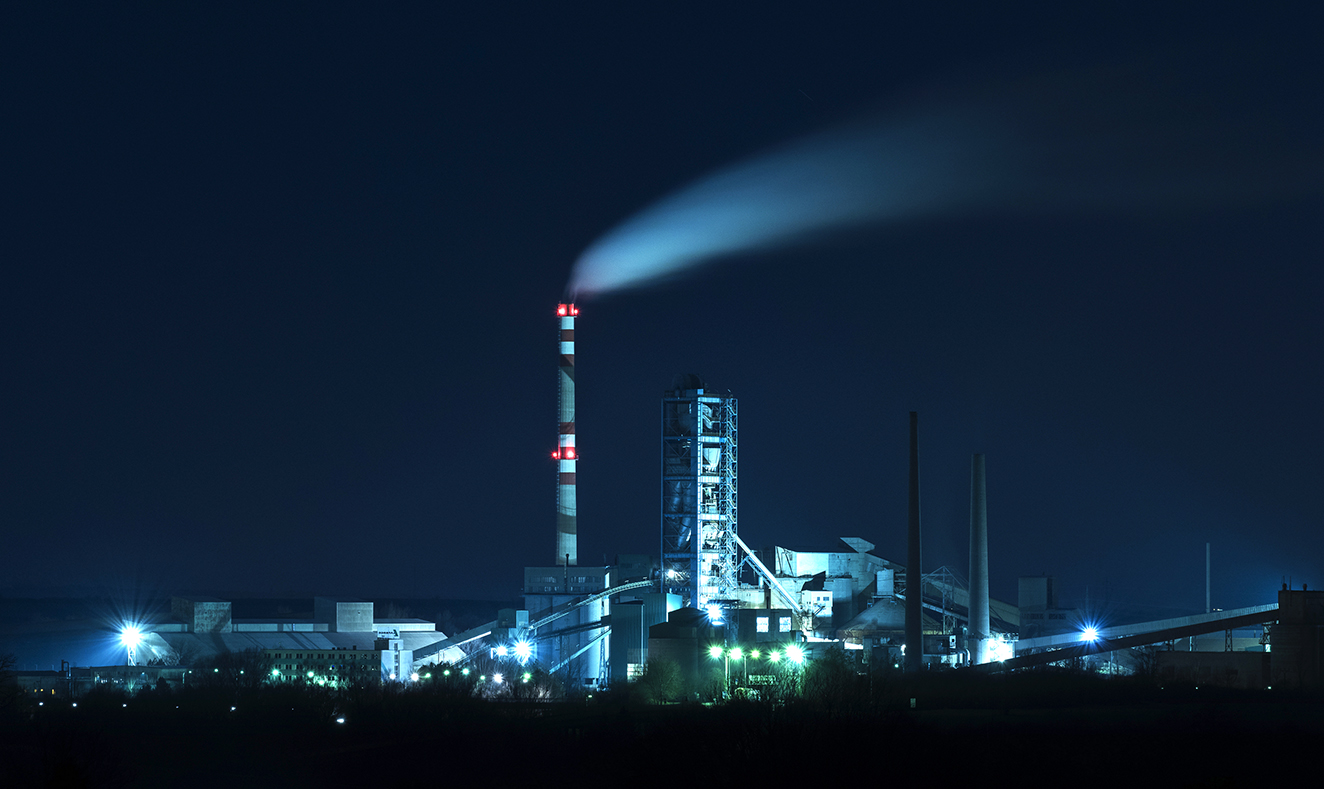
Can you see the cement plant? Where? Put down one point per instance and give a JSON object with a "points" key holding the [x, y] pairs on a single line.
{"points": [[706, 620]]}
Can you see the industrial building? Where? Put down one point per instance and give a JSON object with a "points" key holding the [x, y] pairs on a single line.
{"points": [[707, 596], [700, 471], [343, 639]]}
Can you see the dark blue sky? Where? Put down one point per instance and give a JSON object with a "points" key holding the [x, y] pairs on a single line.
{"points": [[279, 291]]}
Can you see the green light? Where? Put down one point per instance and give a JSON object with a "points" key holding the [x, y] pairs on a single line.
{"points": [[736, 654], [714, 652], [275, 672], [754, 654], [310, 674], [446, 673], [465, 672], [527, 676], [775, 657]]}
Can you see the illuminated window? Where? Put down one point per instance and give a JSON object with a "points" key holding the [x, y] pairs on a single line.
{"points": [[762, 624], [784, 624]]}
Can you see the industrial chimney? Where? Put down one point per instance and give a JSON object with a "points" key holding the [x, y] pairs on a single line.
{"points": [[914, 582], [979, 627], [566, 456]]}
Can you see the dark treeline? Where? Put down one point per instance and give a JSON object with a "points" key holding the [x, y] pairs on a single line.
{"points": [[1066, 726]]}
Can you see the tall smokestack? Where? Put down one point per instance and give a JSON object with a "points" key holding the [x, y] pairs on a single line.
{"points": [[914, 584], [566, 456], [979, 628]]}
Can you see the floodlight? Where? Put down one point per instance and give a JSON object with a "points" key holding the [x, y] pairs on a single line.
{"points": [[714, 652], [496, 678], [736, 654], [775, 656], [1089, 634], [795, 654], [131, 637], [523, 651], [714, 613], [414, 677], [501, 650]]}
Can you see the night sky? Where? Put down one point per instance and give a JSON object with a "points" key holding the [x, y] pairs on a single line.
{"points": [[279, 292]]}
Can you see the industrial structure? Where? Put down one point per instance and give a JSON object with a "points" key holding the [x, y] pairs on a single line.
{"points": [[700, 467], [343, 638], [709, 598], [566, 455]]}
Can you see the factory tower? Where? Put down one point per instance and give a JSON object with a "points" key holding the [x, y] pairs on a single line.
{"points": [[567, 552], [699, 465]]}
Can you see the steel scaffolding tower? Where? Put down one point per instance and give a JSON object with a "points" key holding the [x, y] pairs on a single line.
{"points": [[699, 469]]}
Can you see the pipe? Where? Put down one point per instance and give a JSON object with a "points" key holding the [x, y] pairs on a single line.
{"points": [[567, 511], [979, 626], [914, 582]]}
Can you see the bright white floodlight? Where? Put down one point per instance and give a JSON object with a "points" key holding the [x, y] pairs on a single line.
{"points": [[795, 654], [131, 637], [523, 651], [714, 613], [1089, 634]]}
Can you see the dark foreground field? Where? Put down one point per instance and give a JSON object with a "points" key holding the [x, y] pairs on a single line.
{"points": [[1030, 730]]}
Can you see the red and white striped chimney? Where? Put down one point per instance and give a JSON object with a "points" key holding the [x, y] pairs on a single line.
{"points": [[566, 455]]}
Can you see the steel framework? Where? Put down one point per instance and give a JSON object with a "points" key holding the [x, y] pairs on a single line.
{"points": [[700, 464]]}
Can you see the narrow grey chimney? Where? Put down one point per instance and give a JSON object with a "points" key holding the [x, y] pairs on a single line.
{"points": [[979, 627]]}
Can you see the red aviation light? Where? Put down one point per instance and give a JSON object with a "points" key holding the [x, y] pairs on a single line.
{"points": [[569, 453], [562, 310], [573, 310], [556, 455]]}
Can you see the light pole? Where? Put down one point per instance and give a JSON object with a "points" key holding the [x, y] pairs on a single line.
{"points": [[737, 653], [716, 652]]}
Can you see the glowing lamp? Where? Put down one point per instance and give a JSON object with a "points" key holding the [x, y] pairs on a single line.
{"points": [[523, 650], [714, 652], [795, 654], [561, 310], [1089, 634], [569, 453]]}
